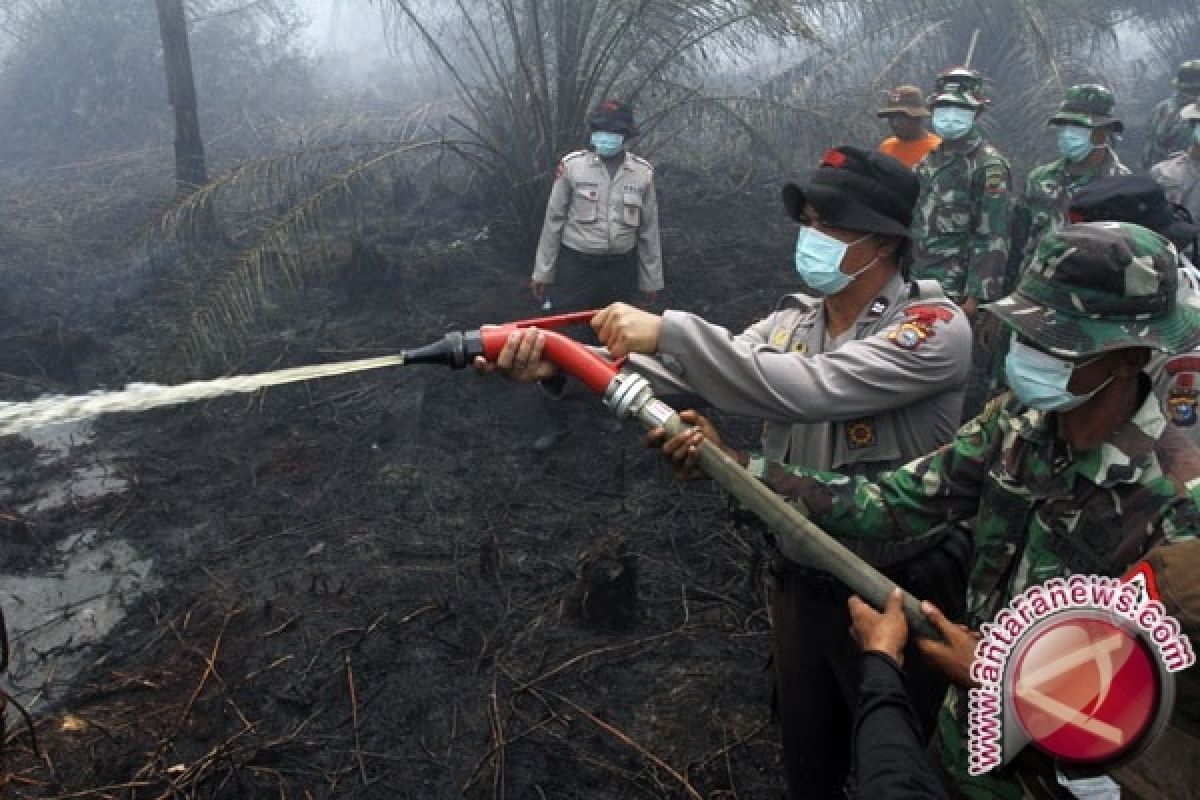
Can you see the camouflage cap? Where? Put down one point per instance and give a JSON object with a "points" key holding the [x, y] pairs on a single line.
{"points": [[1101, 286], [1188, 76], [958, 86], [1089, 105], [907, 100]]}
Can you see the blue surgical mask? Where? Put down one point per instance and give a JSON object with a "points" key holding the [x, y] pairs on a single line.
{"points": [[606, 143], [1074, 142], [819, 261], [952, 122], [1039, 380]]}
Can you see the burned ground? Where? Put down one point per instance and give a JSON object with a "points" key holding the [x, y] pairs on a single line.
{"points": [[371, 586]]}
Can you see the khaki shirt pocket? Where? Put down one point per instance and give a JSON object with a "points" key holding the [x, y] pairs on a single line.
{"points": [[631, 205], [584, 202]]}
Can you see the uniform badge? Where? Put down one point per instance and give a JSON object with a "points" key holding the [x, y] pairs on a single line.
{"points": [[995, 180], [918, 325], [909, 336], [779, 339], [1183, 396], [860, 433], [878, 306], [800, 348]]}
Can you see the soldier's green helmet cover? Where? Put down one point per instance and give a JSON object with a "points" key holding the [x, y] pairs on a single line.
{"points": [[1100, 286]]}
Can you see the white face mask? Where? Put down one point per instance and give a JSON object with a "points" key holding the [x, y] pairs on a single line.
{"points": [[952, 122], [1074, 142], [819, 260], [1039, 380]]}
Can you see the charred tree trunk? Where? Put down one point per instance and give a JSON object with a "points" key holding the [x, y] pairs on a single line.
{"points": [[190, 169]]}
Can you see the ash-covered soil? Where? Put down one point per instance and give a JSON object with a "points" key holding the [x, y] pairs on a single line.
{"points": [[371, 586]]}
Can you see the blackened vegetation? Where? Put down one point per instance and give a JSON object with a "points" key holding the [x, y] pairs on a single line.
{"points": [[373, 587]]}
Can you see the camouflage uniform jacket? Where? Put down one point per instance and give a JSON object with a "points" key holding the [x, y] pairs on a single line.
{"points": [[1179, 176], [1043, 207], [1168, 132], [961, 225], [593, 212], [1040, 511]]}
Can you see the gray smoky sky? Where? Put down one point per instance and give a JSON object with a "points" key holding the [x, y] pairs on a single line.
{"points": [[345, 26]]}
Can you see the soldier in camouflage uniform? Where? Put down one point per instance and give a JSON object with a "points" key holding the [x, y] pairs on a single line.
{"points": [[1075, 471], [1082, 125], [1138, 199], [961, 224], [1169, 133]]}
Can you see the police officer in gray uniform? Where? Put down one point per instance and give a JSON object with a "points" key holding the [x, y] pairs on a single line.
{"points": [[600, 237], [601, 228], [862, 376]]}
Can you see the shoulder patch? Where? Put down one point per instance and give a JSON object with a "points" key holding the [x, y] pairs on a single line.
{"points": [[995, 178], [1183, 392], [910, 334], [920, 322], [929, 313]]}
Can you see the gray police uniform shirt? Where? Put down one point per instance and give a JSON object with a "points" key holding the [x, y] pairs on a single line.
{"points": [[887, 392], [1179, 177], [1177, 377], [593, 213]]}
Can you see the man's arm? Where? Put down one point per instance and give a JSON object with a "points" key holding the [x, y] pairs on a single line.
{"points": [[990, 238], [650, 267], [885, 371], [890, 762], [902, 506], [552, 228], [668, 380]]}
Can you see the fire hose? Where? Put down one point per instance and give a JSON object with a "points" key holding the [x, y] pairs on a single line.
{"points": [[629, 395], [626, 394]]}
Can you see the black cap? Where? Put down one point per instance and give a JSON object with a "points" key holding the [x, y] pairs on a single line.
{"points": [[858, 190], [613, 116], [1131, 198]]}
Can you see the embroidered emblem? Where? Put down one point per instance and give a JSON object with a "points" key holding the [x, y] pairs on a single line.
{"points": [[878, 306], [929, 314], [919, 325], [779, 340], [910, 335], [860, 433], [800, 348], [1183, 396]]}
